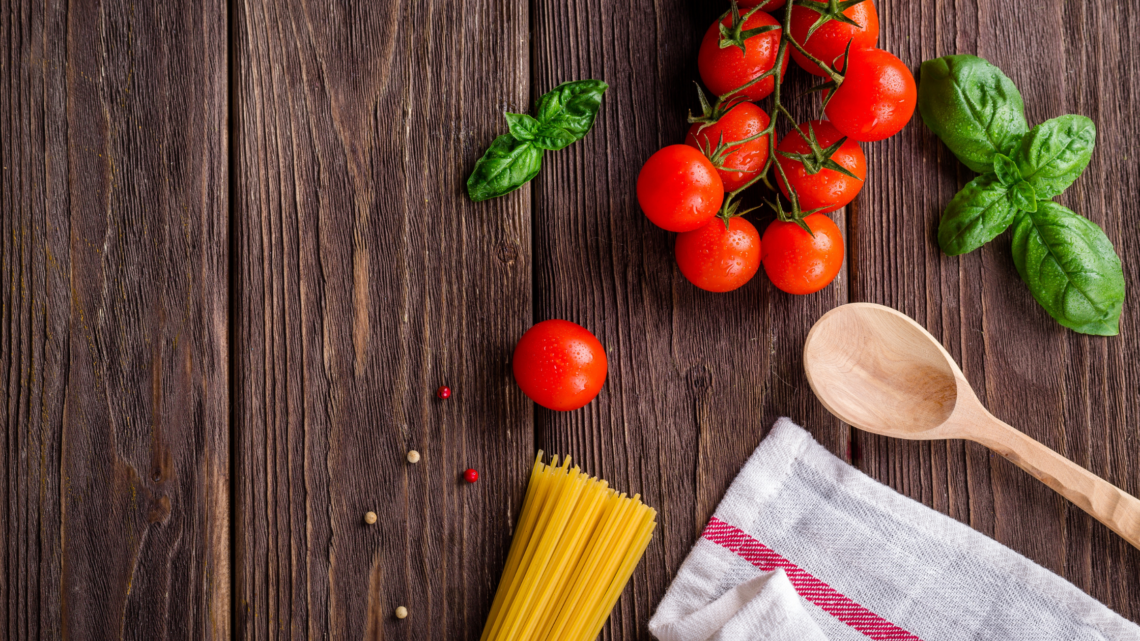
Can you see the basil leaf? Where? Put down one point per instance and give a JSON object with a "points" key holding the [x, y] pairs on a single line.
{"points": [[1023, 196], [522, 126], [553, 138], [1006, 170], [1071, 268], [973, 107], [975, 216], [507, 165], [572, 106], [1054, 153]]}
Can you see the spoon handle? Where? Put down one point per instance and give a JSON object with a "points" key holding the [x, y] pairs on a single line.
{"points": [[1104, 501]]}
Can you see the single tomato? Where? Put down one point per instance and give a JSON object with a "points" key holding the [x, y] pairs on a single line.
{"points": [[768, 5], [679, 189], [799, 263], [829, 41], [876, 98], [559, 365], [744, 161], [724, 69], [825, 188], [717, 259]]}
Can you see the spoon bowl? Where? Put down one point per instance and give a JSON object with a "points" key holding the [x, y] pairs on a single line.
{"points": [[880, 371], [876, 369]]}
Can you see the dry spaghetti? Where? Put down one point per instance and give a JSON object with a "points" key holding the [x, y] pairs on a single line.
{"points": [[576, 544]]}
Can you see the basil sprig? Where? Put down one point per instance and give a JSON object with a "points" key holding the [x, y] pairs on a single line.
{"points": [[1067, 261], [564, 116]]}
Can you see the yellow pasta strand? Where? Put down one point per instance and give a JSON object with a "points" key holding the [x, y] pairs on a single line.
{"points": [[611, 556], [584, 522], [641, 541], [584, 580], [583, 571]]}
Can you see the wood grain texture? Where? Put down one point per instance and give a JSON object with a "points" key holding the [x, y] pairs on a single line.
{"points": [[364, 280], [113, 347], [353, 277], [695, 378], [1074, 393]]}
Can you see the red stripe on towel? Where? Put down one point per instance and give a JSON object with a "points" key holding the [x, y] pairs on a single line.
{"points": [[821, 594]]}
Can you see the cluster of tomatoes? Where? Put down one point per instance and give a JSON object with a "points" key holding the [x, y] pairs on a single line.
{"points": [[694, 188]]}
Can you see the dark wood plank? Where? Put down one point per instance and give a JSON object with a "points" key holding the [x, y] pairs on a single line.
{"points": [[695, 379], [365, 279], [113, 147], [1072, 392]]}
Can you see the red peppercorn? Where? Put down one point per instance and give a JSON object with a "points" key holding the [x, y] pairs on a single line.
{"points": [[471, 476], [443, 392]]}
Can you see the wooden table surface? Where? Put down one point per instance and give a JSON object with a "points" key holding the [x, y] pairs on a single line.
{"points": [[237, 260]]}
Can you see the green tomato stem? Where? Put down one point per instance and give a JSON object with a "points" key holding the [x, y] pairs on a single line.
{"points": [[778, 110]]}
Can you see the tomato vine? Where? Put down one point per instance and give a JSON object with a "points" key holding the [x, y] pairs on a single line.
{"points": [[734, 35], [696, 189]]}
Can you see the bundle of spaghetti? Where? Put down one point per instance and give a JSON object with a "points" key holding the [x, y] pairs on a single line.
{"points": [[576, 544]]}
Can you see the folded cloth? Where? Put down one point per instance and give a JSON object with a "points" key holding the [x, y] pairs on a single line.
{"points": [[805, 547]]}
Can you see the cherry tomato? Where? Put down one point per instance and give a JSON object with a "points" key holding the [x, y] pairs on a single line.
{"points": [[830, 40], [826, 188], [723, 70], [679, 189], [796, 262], [742, 121], [876, 98], [559, 365], [718, 259], [765, 6]]}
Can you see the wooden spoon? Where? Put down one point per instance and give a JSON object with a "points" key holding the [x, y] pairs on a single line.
{"points": [[877, 369]]}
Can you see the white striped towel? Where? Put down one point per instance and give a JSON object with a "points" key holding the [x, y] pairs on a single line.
{"points": [[804, 547]]}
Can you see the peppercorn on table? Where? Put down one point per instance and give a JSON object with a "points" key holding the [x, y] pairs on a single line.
{"points": [[255, 334]]}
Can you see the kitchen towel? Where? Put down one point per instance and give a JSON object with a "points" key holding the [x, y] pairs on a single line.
{"points": [[805, 547]]}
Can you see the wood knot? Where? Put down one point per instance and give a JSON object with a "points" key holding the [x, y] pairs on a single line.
{"points": [[159, 510], [700, 379], [161, 463], [507, 253]]}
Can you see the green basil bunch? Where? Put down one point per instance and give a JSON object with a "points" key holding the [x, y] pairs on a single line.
{"points": [[564, 117], [1069, 264]]}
